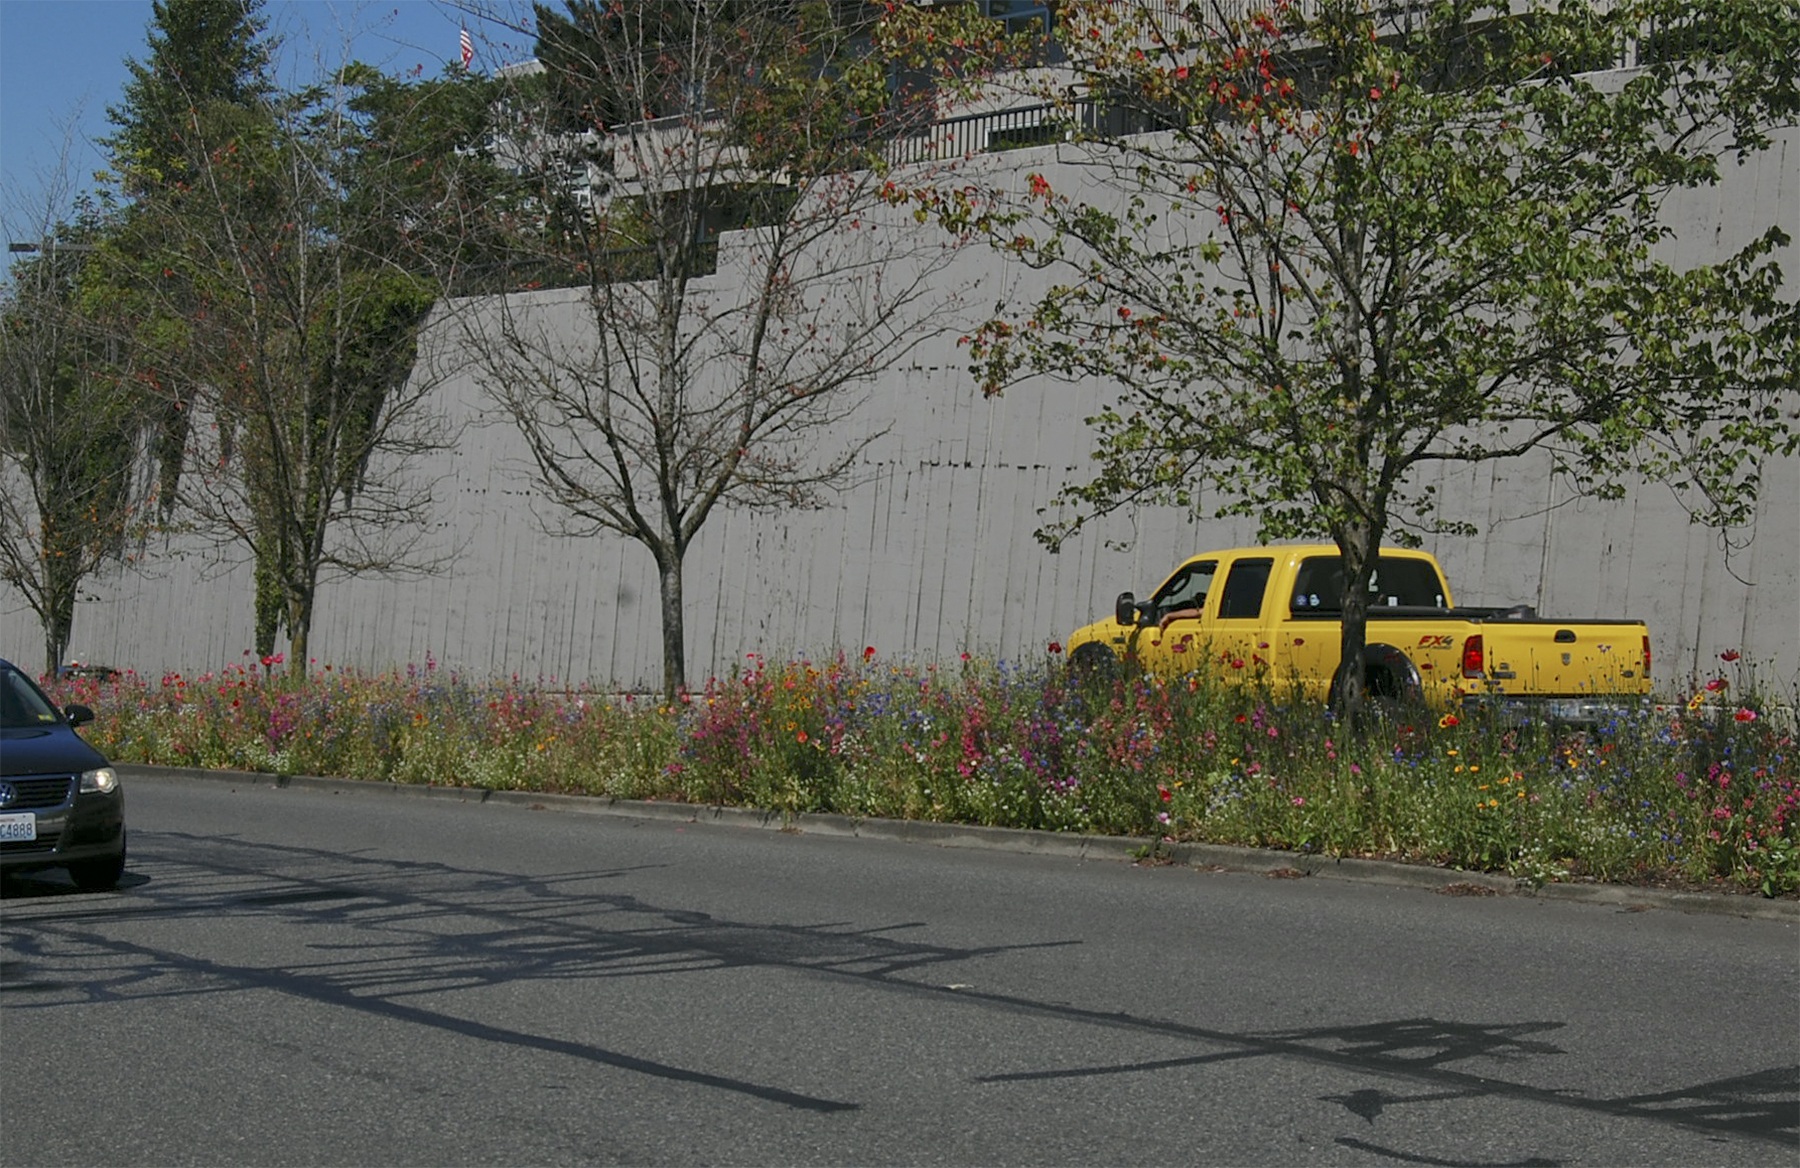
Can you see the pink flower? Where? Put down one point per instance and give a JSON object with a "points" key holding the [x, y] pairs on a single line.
{"points": [[1299, 801], [1716, 684]]}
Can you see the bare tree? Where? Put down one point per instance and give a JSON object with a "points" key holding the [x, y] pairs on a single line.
{"points": [[743, 272]]}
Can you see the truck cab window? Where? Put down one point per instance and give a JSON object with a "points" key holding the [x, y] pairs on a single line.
{"points": [[1188, 588], [1319, 585], [1244, 589]]}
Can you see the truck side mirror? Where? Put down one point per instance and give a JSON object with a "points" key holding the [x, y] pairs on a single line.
{"points": [[1125, 609]]}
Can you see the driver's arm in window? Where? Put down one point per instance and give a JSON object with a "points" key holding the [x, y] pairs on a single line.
{"points": [[1170, 618]]}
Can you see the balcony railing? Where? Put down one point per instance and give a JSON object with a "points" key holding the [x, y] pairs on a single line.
{"points": [[1021, 127]]}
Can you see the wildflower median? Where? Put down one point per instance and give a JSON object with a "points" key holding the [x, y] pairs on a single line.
{"points": [[1703, 792]]}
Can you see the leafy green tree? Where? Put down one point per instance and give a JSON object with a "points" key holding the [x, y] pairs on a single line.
{"points": [[297, 338], [203, 53], [1320, 249], [205, 75], [423, 190], [71, 482], [279, 254]]}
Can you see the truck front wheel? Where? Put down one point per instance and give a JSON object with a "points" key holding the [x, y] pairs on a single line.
{"points": [[1093, 663]]}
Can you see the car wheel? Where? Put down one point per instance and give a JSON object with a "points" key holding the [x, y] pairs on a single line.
{"points": [[98, 875]]}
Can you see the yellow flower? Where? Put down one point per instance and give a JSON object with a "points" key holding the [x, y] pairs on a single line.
{"points": [[1493, 802], [1451, 752]]}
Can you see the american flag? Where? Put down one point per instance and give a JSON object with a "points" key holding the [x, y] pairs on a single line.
{"points": [[468, 48]]}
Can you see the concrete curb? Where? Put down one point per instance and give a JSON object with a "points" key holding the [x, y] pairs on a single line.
{"points": [[1043, 843]]}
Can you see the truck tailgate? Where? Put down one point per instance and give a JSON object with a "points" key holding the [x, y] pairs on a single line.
{"points": [[1566, 657]]}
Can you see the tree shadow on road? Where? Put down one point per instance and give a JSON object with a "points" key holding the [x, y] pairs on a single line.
{"points": [[411, 930]]}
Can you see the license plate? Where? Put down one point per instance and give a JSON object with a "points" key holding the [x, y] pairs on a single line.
{"points": [[18, 828]]}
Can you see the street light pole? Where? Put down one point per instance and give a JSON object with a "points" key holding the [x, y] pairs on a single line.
{"points": [[49, 245]]}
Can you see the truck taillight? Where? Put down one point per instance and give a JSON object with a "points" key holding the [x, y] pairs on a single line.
{"points": [[1646, 654], [1472, 663]]}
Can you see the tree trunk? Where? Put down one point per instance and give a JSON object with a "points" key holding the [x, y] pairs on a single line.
{"points": [[56, 635], [300, 614], [673, 634], [59, 621], [1358, 544], [269, 599]]}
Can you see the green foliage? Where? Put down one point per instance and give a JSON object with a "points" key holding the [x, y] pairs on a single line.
{"points": [[70, 428], [277, 266], [204, 54], [422, 189], [1706, 793]]}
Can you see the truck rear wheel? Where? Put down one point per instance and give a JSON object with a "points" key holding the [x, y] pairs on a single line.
{"points": [[1390, 680]]}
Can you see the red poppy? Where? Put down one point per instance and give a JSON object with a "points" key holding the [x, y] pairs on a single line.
{"points": [[1716, 684], [1164, 794], [868, 652], [1745, 715], [1729, 655], [1055, 646]]}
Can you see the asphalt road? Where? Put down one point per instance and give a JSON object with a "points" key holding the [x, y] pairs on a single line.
{"points": [[301, 977]]}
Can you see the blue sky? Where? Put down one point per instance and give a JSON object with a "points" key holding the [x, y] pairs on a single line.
{"points": [[62, 62]]}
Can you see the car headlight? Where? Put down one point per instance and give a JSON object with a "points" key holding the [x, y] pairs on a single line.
{"points": [[103, 781]]}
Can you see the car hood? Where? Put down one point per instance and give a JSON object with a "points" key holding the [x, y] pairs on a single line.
{"points": [[44, 750]]}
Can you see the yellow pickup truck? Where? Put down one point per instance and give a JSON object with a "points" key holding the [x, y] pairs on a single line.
{"points": [[1271, 614]]}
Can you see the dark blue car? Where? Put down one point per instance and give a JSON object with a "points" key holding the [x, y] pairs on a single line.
{"points": [[60, 803]]}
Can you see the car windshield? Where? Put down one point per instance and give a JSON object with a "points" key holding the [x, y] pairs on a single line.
{"points": [[21, 705]]}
